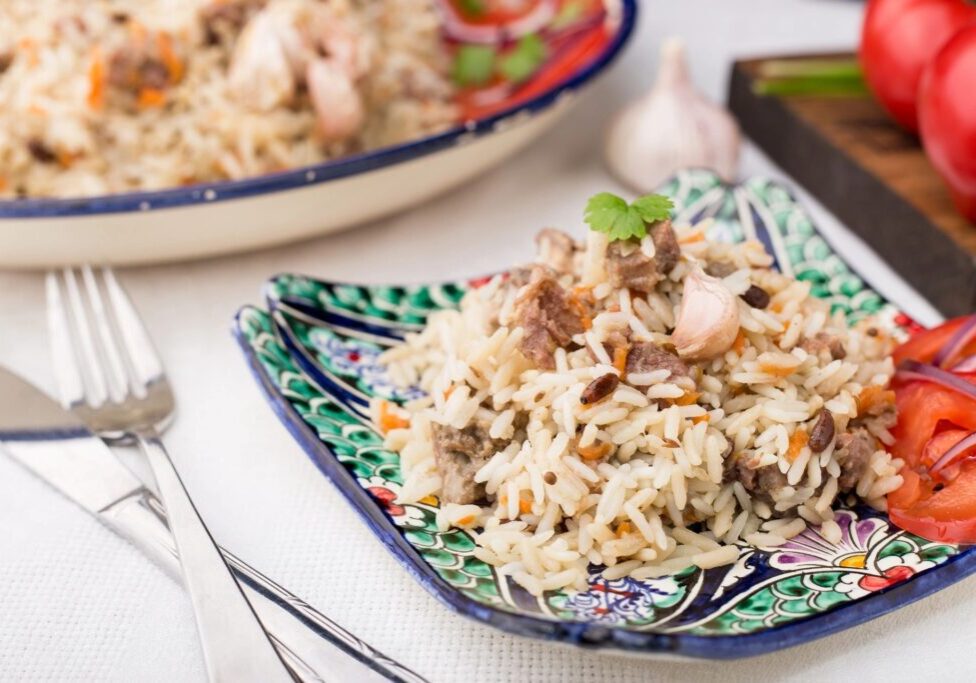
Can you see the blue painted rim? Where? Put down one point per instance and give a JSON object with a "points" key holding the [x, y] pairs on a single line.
{"points": [[583, 634], [327, 171]]}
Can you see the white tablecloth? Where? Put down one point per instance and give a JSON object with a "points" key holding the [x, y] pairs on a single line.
{"points": [[78, 603]]}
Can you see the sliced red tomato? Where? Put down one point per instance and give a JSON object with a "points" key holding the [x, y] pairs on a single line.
{"points": [[924, 345], [931, 420], [939, 512]]}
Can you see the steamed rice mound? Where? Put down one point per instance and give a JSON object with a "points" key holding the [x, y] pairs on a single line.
{"points": [[108, 96], [683, 462]]}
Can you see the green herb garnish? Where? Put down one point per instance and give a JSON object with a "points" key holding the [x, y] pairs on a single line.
{"points": [[608, 213], [474, 65], [524, 60], [472, 8]]}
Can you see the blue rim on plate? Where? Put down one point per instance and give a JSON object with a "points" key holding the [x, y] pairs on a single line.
{"points": [[891, 568], [329, 170]]}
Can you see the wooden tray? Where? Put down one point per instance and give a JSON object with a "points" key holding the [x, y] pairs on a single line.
{"points": [[872, 175]]}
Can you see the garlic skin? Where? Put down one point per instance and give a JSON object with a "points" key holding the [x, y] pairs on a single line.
{"points": [[671, 128], [708, 321]]}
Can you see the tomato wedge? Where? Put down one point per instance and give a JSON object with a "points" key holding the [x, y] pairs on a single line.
{"points": [[926, 344], [932, 419]]}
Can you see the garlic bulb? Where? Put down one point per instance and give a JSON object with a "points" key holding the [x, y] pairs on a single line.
{"points": [[671, 128], [708, 321]]}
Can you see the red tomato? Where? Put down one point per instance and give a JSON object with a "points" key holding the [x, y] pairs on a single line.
{"points": [[898, 39], [947, 115], [931, 420], [924, 345]]}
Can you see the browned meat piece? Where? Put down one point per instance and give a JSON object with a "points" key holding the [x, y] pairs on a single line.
{"points": [[6, 59], [459, 454], [629, 267], [648, 357], [225, 18], [599, 389], [822, 434], [556, 250], [40, 151], [720, 269], [136, 65], [824, 341], [544, 311], [760, 482], [854, 451]]}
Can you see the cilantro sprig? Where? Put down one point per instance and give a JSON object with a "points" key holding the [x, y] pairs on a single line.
{"points": [[610, 214]]}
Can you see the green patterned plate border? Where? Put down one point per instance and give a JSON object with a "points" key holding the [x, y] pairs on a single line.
{"points": [[314, 353]]}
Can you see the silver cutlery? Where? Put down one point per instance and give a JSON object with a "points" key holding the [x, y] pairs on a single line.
{"points": [[56, 446], [112, 378]]}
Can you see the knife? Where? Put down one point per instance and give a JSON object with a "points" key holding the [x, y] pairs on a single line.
{"points": [[56, 446]]}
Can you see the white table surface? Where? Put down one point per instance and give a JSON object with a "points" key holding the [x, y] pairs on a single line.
{"points": [[78, 603]]}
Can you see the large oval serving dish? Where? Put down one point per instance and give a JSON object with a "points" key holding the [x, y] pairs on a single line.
{"points": [[314, 354], [208, 219]]}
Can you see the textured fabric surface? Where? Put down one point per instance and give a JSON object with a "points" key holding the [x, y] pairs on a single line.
{"points": [[77, 603]]}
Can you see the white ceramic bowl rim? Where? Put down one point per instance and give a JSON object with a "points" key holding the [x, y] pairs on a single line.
{"points": [[329, 170]]}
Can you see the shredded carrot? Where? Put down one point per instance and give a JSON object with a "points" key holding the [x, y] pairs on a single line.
{"points": [[467, 519], [623, 529], [583, 293], [174, 65], [692, 237], [776, 306], [595, 451], [580, 308], [698, 419], [37, 110], [66, 159], [525, 506], [449, 391], [389, 420], [96, 80], [873, 397], [687, 398], [620, 358], [798, 440], [29, 46], [739, 345], [776, 370], [151, 97]]}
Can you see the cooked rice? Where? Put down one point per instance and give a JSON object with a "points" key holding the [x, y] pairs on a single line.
{"points": [[662, 500], [55, 141]]}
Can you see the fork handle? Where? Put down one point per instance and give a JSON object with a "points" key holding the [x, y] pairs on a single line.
{"points": [[235, 644]]}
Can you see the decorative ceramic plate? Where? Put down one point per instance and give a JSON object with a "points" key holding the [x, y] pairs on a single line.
{"points": [[206, 219], [314, 353]]}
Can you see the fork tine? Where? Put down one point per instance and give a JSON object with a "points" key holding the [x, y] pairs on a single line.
{"points": [[108, 339], [88, 354], [71, 382], [143, 359]]}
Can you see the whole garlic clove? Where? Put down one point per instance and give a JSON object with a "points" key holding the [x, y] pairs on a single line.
{"points": [[672, 127], [708, 321]]}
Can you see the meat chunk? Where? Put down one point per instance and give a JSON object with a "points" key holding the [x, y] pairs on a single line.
{"points": [[854, 451], [822, 341], [648, 357], [459, 454], [628, 266], [136, 65], [556, 250], [227, 17], [760, 482], [547, 317]]}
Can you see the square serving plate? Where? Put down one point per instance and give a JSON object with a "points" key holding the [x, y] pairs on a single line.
{"points": [[314, 353]]}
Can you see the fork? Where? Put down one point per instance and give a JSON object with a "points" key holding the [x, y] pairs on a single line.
{"points": [[111, 376]]}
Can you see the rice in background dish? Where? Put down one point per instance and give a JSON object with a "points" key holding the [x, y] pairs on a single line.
{"points": [[107, 96], [562, 428]]}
